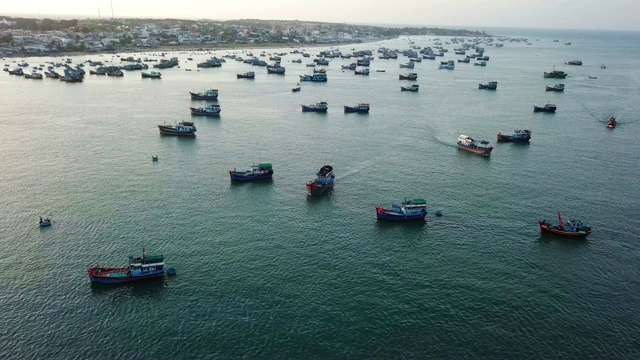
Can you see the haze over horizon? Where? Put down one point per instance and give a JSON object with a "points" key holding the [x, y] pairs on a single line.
{"points": [[566, 14]]}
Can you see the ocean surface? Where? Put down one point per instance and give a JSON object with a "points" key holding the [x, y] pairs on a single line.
{"points": [[266, 272]]}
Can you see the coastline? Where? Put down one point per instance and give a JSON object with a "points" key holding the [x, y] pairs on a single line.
{"points": [[194, 48]]}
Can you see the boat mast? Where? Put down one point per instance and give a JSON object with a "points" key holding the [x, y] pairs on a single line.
{"points": [[560, 223]]}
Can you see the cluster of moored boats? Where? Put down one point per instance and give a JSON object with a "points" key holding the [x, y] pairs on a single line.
{"points": [[153, 266]]}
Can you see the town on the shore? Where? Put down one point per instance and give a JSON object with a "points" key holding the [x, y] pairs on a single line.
{"points": [[50, 37]]}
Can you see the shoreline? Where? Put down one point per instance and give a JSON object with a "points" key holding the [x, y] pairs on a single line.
{"points": [[194, 48]]}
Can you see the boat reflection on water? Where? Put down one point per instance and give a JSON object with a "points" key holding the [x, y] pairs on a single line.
{"points": [[147, 288]]}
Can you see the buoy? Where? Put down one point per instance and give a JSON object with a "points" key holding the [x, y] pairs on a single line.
{"points": [[171, 271]]}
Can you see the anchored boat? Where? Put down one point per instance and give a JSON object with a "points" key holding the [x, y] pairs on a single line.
{"points": [[139, 268], [571, 228], [470, 144], [323, 181], [407, 210], [255, 172]]}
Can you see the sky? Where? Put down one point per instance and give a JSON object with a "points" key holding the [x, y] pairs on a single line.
{"points": [[552, 14]]}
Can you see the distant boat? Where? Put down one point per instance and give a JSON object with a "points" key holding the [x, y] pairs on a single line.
{"points": [[413, 88], [603, 66], [140, 268], [211, 110], [558, 88], [185, 128], [360, 108], [255, 172], [318, 107], [33, 75], [211, 94], [491, 85], [380, 70], [571, 228], [555, 74], [247, 75], [362, 72], [592, 77], [480, 63], [410, 76], [323, 181], [408, 210], [319, 77], [548, 108], [611, 123], [151, 74], [115, 73], [46, 222], [296, 89], [470, 144], [574, 62], [520, 136]]}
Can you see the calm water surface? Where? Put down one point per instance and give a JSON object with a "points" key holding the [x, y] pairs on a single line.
{"points": [[266, 272]]}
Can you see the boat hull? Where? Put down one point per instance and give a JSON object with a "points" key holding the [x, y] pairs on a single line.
{"points": [[387, 215], [509, 138], [316, 190], [548, 230], [235, 176], [168, 131], [543, 109], [477, 150]]}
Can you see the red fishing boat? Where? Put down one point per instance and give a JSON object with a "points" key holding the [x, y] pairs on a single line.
{"points": [[571, 228], [612, 122]]}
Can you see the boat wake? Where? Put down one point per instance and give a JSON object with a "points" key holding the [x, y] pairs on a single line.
{"points": [[355, 170]]}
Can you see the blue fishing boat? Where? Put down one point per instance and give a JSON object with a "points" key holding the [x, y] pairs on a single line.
{"points": [[408, 210], [139, 268], [211, 94], [520, 136], [211, 110], [255, 172], [362, 108], [317, 77], [185, 128], [323, 181]]}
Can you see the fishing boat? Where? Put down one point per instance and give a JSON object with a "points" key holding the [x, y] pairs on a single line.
{"points": [[275, 70], [408, 210], [603, 66], [185, 128], [322, 106], [611, 123], [115, 73], [413, 88], [52, 74], [71, 76], [247, 75], [571, 228], [555, 74], [557, 87], [491, 85], [211, 110], [469, 144], [255, 172], [361, 72], [151, 74], [548, 108], [46, 222], [319, 71], [318, 77], [323, 181], [480, 63], [592, 77], [139, 268], [296, 89], [33, 75], [211, 94], [410, 76], [362, 108], [574, 62], [17, 72], [520, 136], [351, 66]]}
